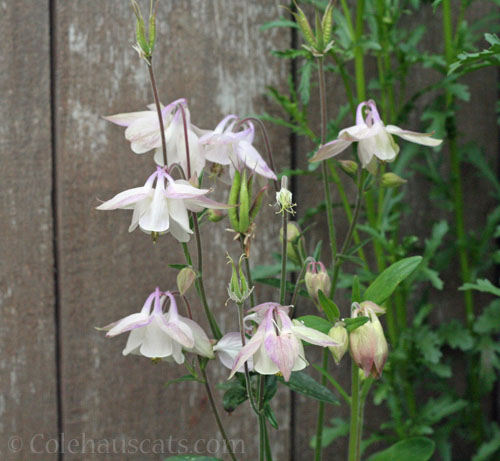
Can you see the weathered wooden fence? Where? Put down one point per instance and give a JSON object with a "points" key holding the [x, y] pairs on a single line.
{"points": [[66, 268]]}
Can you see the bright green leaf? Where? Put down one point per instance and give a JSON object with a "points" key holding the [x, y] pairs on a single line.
{"points": [[306, 385], [414, 449]]}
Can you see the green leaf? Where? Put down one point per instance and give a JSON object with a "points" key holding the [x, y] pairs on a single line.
{"points": [[270, 416], [428, 344], [414, 449], [281, 22], [490, 447], [304, 88], [356, 322], [339, 428], [192, 458], [489, 320], [356, 290], [234, 396], [456, 335], [182, 379], [317, 323], [331, 310], [306, 385], [482, 285], [385, 284], [435, 410]]}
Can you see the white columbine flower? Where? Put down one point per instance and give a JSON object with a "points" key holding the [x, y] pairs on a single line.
{"points": [[226, 147], [374, 139], [276, 346], [162, 207], [228, 348], [156, 334], [143, 132]]}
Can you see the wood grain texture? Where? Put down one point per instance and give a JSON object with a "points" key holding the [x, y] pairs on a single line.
{"points": [[28, 404], [213, 54]]}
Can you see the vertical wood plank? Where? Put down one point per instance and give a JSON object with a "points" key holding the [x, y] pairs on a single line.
{"points": [[28, 402], [213, 54]]}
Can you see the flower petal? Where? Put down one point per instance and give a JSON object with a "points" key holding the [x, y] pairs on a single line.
{"points": [[156, 342], [128, 323], [418, 138], [331, 149], [227, 348], [125, 199], [311, 335], [156, 217], [249, 350], [134, 341], [126, 119], [253, 160], [202, 344]]}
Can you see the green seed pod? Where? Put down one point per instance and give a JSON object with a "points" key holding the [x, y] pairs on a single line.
{"points": [[152, 27], [257, 204], [327, 23], [233, 200], [244, 216], [304, 26]]}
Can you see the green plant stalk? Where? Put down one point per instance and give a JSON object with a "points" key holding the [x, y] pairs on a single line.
{"points": [[354, 426], [332, 241], [284, 229], [218, 420], [365, 389], [358, 52], [455, 166], [249, 273]]}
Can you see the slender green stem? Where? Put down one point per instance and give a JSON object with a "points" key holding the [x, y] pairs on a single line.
{"points": [[249, 273], [211, 399], [354, 427], [284, 226], [158, 109], [321, 412], [200, 286], [247, 373], [456, 175], [358, 52], [365, 389], [265, 447], [308, 260], [335, 384]]}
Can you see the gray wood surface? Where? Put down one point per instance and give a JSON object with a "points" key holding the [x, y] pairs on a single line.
{"points": [[213, 54], [28, 396]]}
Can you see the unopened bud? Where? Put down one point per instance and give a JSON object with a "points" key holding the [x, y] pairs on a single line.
{"points": [[367, 343], [215, 215], [185, 279], [339, 334], [316, 279], [392, 180], [348, 166], [293, 237]]}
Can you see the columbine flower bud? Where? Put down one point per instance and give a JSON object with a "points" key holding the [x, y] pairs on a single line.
{"points": [[367, 343], [349, 166], [284, 198], [145, 45], [339, 334], [215, 215], [293, 236], [392, 180], [316, 279], [185, 279], [238, 288]]}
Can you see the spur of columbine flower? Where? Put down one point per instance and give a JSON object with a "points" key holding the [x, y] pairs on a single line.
{"points": [[276, 346], [373, 137], [158, 334], [162, 207], [227, 147], [143, 132]]}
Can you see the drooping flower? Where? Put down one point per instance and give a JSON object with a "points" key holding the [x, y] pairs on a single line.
{"points": [[234, 149], [316, 279], [276, 346], [156, 334], [368, 345], [162, 207], [339, 334], [374, 139], [143, 132], [228, 348]]}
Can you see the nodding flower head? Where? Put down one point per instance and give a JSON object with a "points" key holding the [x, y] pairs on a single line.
{"points": [[316, 279], [159, 333], [162, 205], [373, 137], [276, 346]]}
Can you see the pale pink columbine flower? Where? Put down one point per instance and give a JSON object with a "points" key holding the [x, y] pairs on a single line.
{"points": [[162, 207], [373, 137], [276, 346], [227, 147], [228, 348], [368, 345], [158, 334], [143, 132]]}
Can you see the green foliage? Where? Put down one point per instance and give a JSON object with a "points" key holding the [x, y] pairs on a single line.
{"points": [[306, 385], [415, 449]]}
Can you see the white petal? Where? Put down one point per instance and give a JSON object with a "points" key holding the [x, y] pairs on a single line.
{"points": [[156, 342], [253, 160], [359, 132], [128, 323], [178, 232], [139, 211], [202, 344], [178, 212], [126, 119], [263, 363], [125, 199], [156, 217], [134, 341], [311, 335], [418, 138]]}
